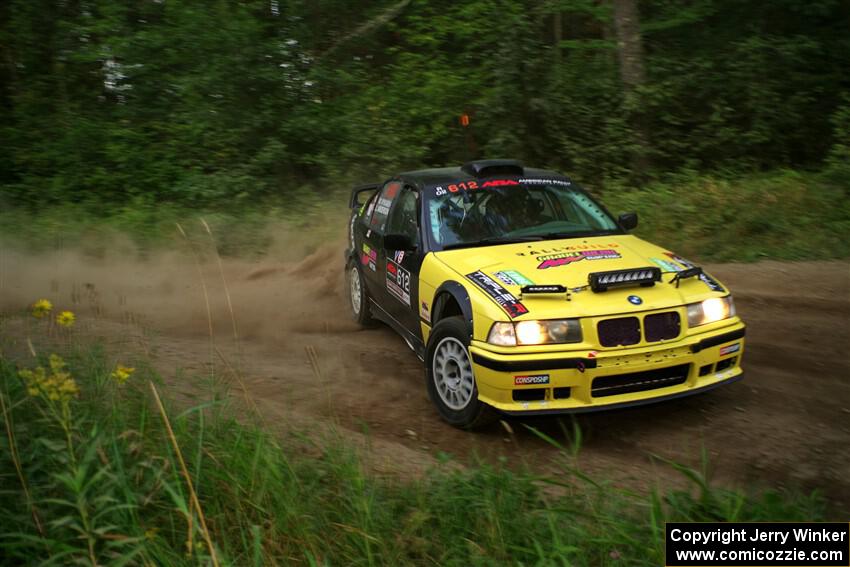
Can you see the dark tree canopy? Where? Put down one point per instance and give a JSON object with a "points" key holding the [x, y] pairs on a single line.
{"points": [[201, 101]]}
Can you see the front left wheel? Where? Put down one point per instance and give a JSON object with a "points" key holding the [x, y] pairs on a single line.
{"points": [[358, 297], [451, 380]]}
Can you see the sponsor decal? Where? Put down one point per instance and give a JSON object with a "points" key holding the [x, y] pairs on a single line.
{"points": [[500, 295], [382, 209], [531, 379], [505, 279], [439, 191], [679, 259], [500, 183], [351, 230], [592, 354], [712, 284], [425, 312], [392, 190], [730, 349], [545, 182], [398, 256], [398, 282], [634, 300], [556, 249], [512, 277], [369, 257], [564, 258], [666, 265]]}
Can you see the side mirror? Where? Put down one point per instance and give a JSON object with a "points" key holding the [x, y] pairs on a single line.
{"points": [[628, 220], [398, 242]]}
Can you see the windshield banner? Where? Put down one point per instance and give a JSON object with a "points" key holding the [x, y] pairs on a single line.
{"points": [[454, 188]]}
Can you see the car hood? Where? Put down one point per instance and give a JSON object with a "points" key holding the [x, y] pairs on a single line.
{"points": [[569, 262]]}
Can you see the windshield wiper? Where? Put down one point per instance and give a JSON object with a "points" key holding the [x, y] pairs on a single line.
{"points": [[493, 240]]}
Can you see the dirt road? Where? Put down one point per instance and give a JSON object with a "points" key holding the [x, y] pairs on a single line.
{"points": [[786, 424]]}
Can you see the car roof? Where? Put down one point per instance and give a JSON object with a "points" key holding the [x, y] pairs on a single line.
{"points": [[444, 175]]}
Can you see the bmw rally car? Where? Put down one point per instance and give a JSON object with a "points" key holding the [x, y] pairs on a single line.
{"points": [[522, 294]]}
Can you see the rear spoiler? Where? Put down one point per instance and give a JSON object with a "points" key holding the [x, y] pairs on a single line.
{"points": [[354, 202]]}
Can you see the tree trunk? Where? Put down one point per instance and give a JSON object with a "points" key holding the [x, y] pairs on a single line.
{"points": [[557, 34], [632, 74], [629, 45]]}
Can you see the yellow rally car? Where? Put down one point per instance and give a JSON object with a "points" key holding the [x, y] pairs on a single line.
{"points": [[522, 294]]}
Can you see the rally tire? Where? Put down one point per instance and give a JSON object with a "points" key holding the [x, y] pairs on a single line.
{"points": [[450, 377], [358, 296]]}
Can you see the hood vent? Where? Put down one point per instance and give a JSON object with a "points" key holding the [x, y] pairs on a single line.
{"points": [[602, 281], [487, 167]]}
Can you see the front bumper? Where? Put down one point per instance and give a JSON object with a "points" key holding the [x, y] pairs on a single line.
{"points": [[570, 381]]}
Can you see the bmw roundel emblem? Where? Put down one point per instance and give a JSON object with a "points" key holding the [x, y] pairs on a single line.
{"points": [[635, 300]]}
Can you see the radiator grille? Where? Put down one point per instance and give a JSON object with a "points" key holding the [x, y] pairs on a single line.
{"points": [[661, 326], [625, 331], [617, 332]]}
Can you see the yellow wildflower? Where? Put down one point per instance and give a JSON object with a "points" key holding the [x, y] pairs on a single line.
{"points": [[65, 318], [56, 363], [122, 373], [58, 386], [41, 308]]}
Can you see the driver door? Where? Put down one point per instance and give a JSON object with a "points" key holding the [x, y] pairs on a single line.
{"points": [[402, 266], [374, 228]]}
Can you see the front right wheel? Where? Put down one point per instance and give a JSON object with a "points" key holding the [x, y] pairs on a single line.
{"points": [[451, 380]]}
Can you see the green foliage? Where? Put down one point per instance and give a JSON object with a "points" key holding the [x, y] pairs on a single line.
{"points": [[111, 492], [784, 215], [226, 102], [838, 161]]}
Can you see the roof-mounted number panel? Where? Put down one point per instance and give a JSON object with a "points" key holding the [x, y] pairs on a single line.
{"points": [[488, 167]]}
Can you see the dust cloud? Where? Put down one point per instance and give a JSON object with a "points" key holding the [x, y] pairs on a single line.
{"points": [[295, 287]]}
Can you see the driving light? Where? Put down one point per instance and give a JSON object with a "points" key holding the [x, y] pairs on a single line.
{"points": [[602, 281], [535, 332], [711, 310], [530, 333]]}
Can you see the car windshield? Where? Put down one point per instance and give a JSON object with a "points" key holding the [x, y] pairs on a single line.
{"points": [[497, 211]]}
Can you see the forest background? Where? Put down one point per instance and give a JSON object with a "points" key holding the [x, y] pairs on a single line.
{"points": [[700, 114]]}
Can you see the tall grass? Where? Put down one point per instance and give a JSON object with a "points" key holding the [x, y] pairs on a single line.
{"points": [[118, 489], [783, 215], [786, 215]]}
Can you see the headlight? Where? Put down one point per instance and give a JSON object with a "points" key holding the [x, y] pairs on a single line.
{"points": [[535, 332], [710, 311]]}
